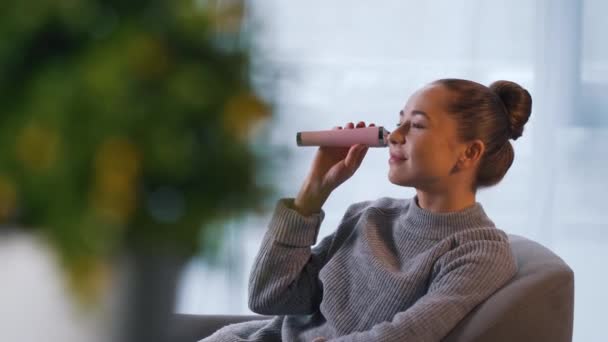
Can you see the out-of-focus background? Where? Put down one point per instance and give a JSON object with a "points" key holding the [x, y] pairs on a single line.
{"points": [[316, 64], [130, 131], [342, 61]]}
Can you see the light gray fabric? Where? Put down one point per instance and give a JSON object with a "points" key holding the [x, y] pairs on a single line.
{"points": [[400, 272], [536, 305]]}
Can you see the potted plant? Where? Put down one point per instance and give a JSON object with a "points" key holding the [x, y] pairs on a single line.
{"points": [[126, 134]]}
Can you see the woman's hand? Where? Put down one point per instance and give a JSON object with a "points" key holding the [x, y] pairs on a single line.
{"points": [[331, 167]]}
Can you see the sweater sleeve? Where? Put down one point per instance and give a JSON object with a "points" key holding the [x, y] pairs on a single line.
{"points": [[468, 275], [284, 276]]}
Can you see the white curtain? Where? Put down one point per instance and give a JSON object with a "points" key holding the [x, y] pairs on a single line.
{"points": [[346, 60]]}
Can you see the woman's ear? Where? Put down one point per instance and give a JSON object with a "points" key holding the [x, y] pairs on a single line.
{"points": [[471, 156], [475, 151]]}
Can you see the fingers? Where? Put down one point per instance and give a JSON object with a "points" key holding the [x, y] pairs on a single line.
{"points": [[361, 153], [355, 156], [360, 124], [349, 125], [351, 158]]}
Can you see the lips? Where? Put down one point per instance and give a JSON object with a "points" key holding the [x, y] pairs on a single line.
{"points": [[397, 156]]}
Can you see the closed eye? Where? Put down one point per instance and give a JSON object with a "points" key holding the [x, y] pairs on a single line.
{"points": [[415, 125]]}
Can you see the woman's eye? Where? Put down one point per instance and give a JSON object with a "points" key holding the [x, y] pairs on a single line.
{"points": [[415, 125]]}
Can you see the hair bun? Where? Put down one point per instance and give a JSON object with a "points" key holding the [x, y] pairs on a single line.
{"points": [[518, 103]]}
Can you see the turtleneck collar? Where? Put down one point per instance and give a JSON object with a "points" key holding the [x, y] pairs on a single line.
{"points": [[430, 225]]}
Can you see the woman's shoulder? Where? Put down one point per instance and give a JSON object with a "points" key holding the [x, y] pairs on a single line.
{"points": [[385, 205], [362, 211], [489, 234], [486, 242]]}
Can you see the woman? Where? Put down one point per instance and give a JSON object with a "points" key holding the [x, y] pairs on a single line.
{"points": [[394, 269]]}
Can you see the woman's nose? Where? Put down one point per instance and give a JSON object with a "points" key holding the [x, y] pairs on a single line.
{"points": [[395, 138]]}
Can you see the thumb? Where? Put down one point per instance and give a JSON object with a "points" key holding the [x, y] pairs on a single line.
{"points": [[355, 156]]}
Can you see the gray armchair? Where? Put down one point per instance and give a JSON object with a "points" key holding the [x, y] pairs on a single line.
{"points": [[536, 305]]}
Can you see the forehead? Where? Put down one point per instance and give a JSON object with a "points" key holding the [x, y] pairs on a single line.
{"points": [[430, 99]]}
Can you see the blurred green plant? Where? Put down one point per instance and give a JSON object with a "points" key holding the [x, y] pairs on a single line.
{"points": [[126, 125]]}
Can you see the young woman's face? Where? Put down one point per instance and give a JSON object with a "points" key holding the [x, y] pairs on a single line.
{"points": [[425, 146]]}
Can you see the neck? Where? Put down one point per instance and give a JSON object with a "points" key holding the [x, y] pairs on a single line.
{"points": [[439, 225], [448, 201]]}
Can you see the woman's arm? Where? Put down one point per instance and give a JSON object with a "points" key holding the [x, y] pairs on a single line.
{"points": [[469, 274], [284, 277]]}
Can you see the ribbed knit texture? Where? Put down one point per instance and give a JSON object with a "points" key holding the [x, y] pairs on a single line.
{"points": [[391, 271]]}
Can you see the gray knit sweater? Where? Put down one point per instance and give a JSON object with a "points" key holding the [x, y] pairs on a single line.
{"points": [[391, 271]]}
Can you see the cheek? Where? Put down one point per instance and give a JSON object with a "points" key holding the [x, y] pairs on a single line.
{"points": [[432, 155]]}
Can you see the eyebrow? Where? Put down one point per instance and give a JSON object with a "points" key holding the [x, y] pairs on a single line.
{"points": [[416, 112]]}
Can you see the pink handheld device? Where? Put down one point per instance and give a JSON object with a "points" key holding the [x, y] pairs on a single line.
{"points": [[370, 136]]}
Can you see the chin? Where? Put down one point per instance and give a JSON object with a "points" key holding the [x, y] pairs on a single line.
{"points": [[400, 180]]}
